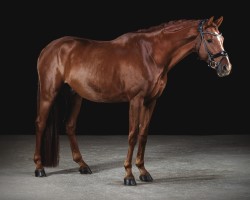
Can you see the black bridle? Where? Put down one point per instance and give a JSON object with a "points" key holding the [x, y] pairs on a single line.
{"points": [[211, 62]]}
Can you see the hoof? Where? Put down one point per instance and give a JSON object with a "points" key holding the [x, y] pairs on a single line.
{"points": [[129, 181], [146, 178], [40, 173], [85, 170]]}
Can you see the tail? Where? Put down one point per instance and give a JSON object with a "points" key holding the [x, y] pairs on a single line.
{"points": [[50, 140]]}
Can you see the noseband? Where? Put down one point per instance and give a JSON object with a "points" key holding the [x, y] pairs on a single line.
{"points": [[211, 62]]}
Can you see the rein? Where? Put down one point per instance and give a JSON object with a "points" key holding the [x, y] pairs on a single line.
{"points": [[211, 62]]}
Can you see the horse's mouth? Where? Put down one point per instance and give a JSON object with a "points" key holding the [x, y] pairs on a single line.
{"points": [[223, 70], [223, 74]]}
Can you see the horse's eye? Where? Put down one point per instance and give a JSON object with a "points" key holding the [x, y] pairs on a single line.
{"points": [[209, 40]]}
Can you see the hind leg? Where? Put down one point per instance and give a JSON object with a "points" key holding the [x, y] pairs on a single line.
{"points": [[70, 129], [47, 92], [43, 112]]}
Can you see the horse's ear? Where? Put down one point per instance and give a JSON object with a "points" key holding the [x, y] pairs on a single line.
{"points": [[218, 21], [210, 21]]}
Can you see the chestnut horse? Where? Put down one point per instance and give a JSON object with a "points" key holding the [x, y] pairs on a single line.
{"points": [[131, 68]]}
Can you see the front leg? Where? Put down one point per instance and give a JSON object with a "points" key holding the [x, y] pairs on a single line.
{"points": [[134, 113], [145, 117]]}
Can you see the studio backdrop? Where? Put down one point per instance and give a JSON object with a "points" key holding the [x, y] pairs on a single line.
{"points": [[195, 100]]}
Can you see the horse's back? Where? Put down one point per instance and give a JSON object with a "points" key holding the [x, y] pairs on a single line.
{"points": [[82, 48], [97, 70]]}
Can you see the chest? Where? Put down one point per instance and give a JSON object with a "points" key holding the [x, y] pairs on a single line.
{"points": [[158, 88]]}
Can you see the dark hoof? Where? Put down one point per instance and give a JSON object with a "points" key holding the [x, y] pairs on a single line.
{"points": [[129, 181], [146, 178], [85, 170], [40, 173]]}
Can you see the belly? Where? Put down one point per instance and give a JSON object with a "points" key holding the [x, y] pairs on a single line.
{"points": [[105, 74], [98, 87]]}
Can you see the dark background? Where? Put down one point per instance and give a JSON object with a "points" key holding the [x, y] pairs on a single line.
{"points": [[195, 100]]}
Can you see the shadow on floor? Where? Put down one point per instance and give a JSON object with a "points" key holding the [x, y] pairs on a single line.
{"points": [[176, 180], [190, 178], [94, 168]]}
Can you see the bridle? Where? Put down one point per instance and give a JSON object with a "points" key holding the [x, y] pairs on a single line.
{"points": [[211, 62]]}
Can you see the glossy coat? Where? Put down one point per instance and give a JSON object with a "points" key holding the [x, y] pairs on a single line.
{"points": [[131, 68]]}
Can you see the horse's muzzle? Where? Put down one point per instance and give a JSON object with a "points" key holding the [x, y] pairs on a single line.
{"points": [[224, 68]]}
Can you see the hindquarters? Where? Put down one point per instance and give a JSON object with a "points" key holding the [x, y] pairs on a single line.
{"points": [[52, 66], [52, 60], [49, 84]]}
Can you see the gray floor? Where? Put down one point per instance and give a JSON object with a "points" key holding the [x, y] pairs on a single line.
{"points": [[183, 167]]}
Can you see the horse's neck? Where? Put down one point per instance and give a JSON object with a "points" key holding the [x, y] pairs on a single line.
{"points": [[170, 48], [180, 54]]}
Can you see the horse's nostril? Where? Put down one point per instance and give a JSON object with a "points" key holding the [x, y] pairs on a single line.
{"points": [[224, 68]]}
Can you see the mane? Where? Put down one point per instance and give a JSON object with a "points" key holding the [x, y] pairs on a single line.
{"points": [[171, 26]]}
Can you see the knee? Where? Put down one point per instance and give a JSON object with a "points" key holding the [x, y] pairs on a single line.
{"points": [[132, 139]]}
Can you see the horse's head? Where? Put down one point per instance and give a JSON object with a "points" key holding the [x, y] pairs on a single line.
{"points": [[210, 46]]}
